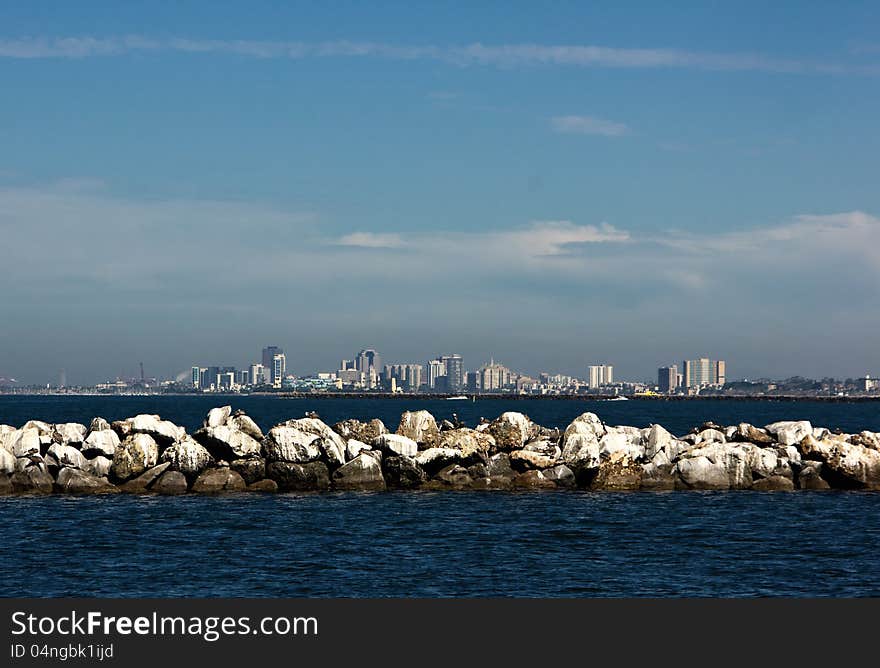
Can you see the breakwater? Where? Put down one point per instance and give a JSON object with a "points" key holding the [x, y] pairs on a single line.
{"points": [[231, 453]]}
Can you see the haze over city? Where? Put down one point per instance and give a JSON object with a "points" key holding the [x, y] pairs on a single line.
{"points": [[552, 190]]}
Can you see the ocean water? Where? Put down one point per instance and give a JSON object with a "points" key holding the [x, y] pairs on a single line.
{"points": [[429, 544]]}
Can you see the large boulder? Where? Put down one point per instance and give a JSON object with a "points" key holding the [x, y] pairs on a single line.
{"points": [[701, 473], [5, 485], [6, 432], [453, 476], [853, 467], [292, 477], [145, 481], [511, 431], [67, 455], [252, 469], [354, 447], [790, 432], [523, 460], [225, 441], [734, 458], [433, 460], [396, 444], [420, 426], [657, 477], [264, 486], [188, 456], [32, 480], [533, 479], [658, 439], [618, 441], [365, 432], [101, 442], [775, 483], [751, 434], [810, 476], [364, 472], [7, 461], [561, 475], [216, 481], [162, 431], [290, 444], [330, 445], [98, 466], [134, 455], [402, 472], [170, 483], [217, 417], [74, 481], [470, 442], [69, 433], [26, 441], [618, 474]]}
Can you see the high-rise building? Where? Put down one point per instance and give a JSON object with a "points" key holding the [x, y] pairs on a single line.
{"points": [[599, 374], [209, 378], [667, 378], [703, 372], [454, 372], [269, 353], [258, 374], [279, 367], [197, 377], [368, 359], [436, 369], [494, 376]]}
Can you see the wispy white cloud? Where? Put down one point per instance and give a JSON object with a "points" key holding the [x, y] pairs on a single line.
{"points": [[371, 240], [588, 125], [503, 55]]}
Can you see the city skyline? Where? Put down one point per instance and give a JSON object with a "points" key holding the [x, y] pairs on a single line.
{"points": [[532, 189]]}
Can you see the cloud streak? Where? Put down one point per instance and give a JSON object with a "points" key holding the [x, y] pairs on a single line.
{"points": [[588, 125], [499, 55]]}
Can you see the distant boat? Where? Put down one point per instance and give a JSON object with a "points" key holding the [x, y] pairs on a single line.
{"points": [[458, 398], [618, 399]]}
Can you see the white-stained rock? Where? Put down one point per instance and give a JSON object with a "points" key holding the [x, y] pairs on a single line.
{"points": [[6, 433], [657, 439], [69, 433], [162, 431], [620, 442], [188, 456], [701, 473], [26, 441], [580, 450], [67, 455], [512, 430], [364, 472], [396, 444], [354, 447], [291, 444], [134, 455], [227, 442], [75, 481], [331, 445], [101, 442], [711, 436], [420, 426], [527, 459], [790, 432], [7, 461], [98, 466], [218, 416], [435, 459], [469, 441]]}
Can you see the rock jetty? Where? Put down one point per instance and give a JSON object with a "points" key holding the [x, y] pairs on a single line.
{"points": [[145, 454]]}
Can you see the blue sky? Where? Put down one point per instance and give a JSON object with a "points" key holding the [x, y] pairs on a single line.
{"points": [[185, 182]]}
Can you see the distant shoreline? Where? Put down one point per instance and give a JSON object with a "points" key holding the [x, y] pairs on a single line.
{"points": [[470, 397]]}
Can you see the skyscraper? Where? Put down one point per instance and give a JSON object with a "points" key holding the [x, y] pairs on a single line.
{"points": [[196, 377], [667, 378], [279, 366], [269, 353], [454, 372], [368, 359], [436, 369], [600, 374], [702, 372], [493, 376]]}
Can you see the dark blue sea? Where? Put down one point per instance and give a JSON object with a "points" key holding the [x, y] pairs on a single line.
{"points": [[428, 544]]}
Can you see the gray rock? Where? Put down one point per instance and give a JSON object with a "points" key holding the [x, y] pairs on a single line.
{"points": [[533, 479], [751, 434], [5, 485], [265, 486], [365, 432], [217, 481], [74, 481], [619, 474], [434, 460], [145, 481], [453, 477], [701, 473], [657, 478], [403, 473], [134, 455], [170, 483], [561, 475], [291, 477], [364, 472], [252, 469], [470, 442], [810, 477], [421, 427], [32, 480], [511, 431], [774, 483]]}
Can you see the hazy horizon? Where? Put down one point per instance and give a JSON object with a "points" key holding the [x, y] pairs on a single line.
{"points": [[552, 188]]}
